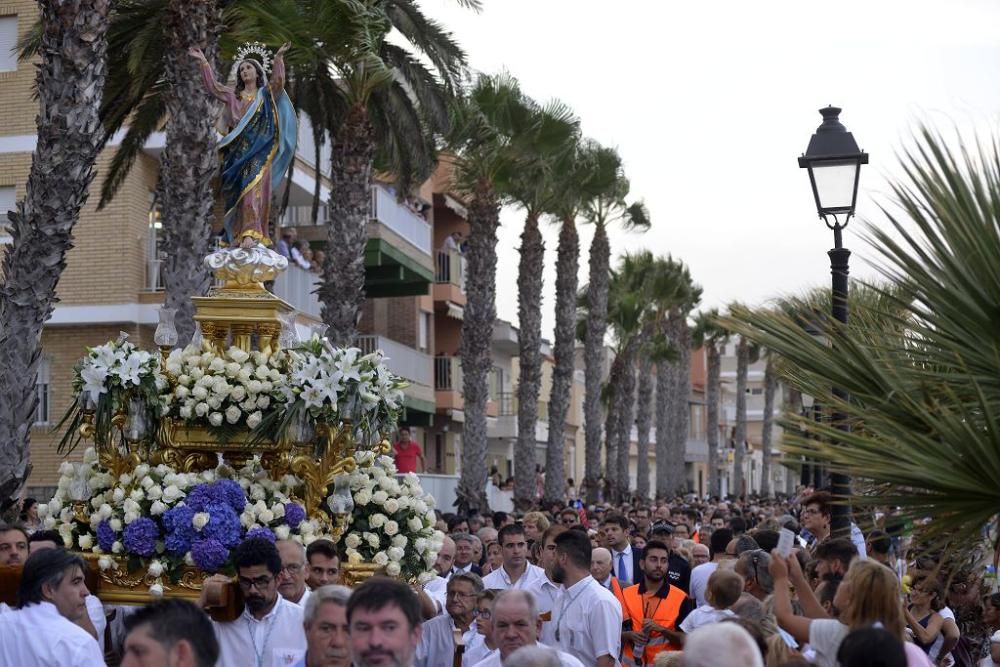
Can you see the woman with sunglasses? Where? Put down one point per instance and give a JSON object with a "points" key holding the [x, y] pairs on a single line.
{"points": [[921, 615]]}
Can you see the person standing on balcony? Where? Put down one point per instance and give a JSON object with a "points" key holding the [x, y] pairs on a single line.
{"points": [[299, 252], [408, 453], [288, 238]]}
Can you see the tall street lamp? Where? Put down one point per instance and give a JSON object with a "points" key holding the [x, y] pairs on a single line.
{"points": [[834, 161]]}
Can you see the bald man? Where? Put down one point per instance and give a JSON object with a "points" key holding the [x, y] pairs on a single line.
{"points": [[700, 555], [600, 569], [437, 588]]}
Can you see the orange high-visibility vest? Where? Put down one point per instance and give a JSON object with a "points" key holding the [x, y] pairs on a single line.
{"points": [[664, 613]]}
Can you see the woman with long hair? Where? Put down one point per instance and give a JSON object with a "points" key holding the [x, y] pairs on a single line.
{"points": [[260, 144], [870, 594], [922, 615]]}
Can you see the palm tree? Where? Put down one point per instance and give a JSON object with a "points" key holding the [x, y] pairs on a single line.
{"points": [[553, 135], [740, 431], [643, 422], [607, 206], [485, 126], [708, 333], [71, 76], [767, 432], [920, 368]]}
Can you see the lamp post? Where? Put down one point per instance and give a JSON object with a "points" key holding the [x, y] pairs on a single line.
{"points": [[834, 161]]}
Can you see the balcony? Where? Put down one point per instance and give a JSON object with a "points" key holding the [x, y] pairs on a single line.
{"points": [[408, 363], [449, 281], [448, 383], [297, 288], [506, 423]]}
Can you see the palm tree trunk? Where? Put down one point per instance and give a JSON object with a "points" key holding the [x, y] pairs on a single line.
{"points": [[342, 291], [742, 365], [643, 419], [477, 332], [189, 161], [679, 407], [793, 406], [663, 462], [611, 421], [529, 317], [597, 326], [318, 138], [714, 371], [567, 268], [70, 82], [770, 386], [626, 419]]}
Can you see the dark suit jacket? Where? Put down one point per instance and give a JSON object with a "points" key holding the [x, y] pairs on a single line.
{"points": [[475, 569]]}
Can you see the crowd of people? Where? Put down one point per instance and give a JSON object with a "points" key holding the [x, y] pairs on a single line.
{"points": [[691, 582]]}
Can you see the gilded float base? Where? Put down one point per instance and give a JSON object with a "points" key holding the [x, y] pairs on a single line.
{"points": [[358, 574]]}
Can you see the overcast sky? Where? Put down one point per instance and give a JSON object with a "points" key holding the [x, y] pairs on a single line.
{"points": [[710, 104]]}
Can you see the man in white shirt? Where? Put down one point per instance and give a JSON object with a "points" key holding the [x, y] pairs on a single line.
{"points": [[587, 618], [327, 632], [269, 631], [438, 644], [385, 622], [700, 574], [516, 623], [436, 588], [623, 559], [169, 633], [44, 631], [544, 590], [292, 582], [515, 571]]}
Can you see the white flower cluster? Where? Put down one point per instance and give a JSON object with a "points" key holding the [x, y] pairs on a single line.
{"points": [[116, 364], [392, 524], [236, 388], [266, 500], [338, 383]]}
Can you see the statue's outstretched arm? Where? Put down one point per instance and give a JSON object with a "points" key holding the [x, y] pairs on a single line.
{"points": [[277, 81], [215, 88]]}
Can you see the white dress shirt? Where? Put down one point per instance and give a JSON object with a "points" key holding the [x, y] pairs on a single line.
{"points": [[95, 610], [565, 659], [477, 652], [546, 593], [277, 640], [629, 566], [499, 579], [588, 622], [704, 615], [437, 642], [39, 636], [437, 590], [699, 581], [304, 598]]}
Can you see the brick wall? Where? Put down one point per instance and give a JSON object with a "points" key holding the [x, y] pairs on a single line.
{"points": [[17, 108]]}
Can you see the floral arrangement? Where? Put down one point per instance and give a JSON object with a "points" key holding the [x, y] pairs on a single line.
{"points": [[160, 520], [392, 523], [234, 389]]}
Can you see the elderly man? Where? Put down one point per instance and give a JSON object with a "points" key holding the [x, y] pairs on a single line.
{"points": [[752, 566], [439, 643], [327, 633], [169, 633], [436, 588], [515, 625], [292, 584], [721, 645], [600, 570], [384, 619], [465, 550], [699, 555], [44, 631]]}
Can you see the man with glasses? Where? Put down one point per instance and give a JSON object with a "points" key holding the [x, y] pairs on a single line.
{"points": [[292, 583], [569, 517], [269, 631], [454, 632], [544, 589], [752, 566]]}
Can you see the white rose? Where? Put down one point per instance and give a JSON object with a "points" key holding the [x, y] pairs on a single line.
{"points": [[50, 522], [117, 547], [201, 409], [130, 517], [307, 527], [214, 402], [147, 482], [373, 541], [393, 569], [200, 520], [171, 493], [238, 393], [267, 516], [258, 493], [253, 420], [105, 562], [200, 393], [264, 401], [362, 497], [353, 541], [377, 520], [379, 497], [157, 508], [354, 558], [400, 541], [282, 532], [381, 559], [217, 365], [233, 414], [395, 553], [261, 372], [131, 506], [414, 523], [104, 511], [156, 590], [66, 468], [391, 505], [155, 568], [278, 509], [186, 412], [391, 528], [86, 541], [118, 495], [137, 495], [215, 419], [116, 524], [154, 493], [90, 456], [55, 505]]}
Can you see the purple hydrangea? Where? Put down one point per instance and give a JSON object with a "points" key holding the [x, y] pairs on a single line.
{"points": [[294, 514], [221, 491], [106, 536], [231, 493], [209, 554], [180, 531], [223, 525], [141, 536], [261, 532], [199, 497]]}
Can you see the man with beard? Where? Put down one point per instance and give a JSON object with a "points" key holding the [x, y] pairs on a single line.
{"points": [[544, 589], [653, 609], [269, 631], [454, 632], [516, 624], [436, 588], [587, 618], [384, 619], [327, 633]]}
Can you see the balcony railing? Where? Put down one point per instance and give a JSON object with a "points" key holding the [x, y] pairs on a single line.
{"points": [[508, 406], [450, 268], [401, 219], [296, 286], [447, 373], [401, 359], [301, 216]]}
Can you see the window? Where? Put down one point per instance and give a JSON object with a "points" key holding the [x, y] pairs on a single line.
{"points": [[423, 332], [756, 391], [8, 43], [7, 203], [43, 391]]}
